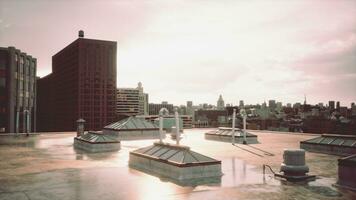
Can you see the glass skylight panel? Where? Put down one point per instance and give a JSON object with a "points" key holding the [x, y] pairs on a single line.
{"points": [[326, 140], [177, 157], [348, 142], [153, 150], [169, 154], [338, 141]]}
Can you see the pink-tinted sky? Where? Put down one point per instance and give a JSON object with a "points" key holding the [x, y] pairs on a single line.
{"points": [[196, 50]]}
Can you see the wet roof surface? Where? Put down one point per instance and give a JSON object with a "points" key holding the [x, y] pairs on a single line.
{"points": [[133, 123], [47, 166]]}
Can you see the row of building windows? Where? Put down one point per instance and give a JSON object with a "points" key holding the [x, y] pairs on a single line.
{"points": [[2, 110], [2, 82], [2, 73], [2, 64], [22, 60]]}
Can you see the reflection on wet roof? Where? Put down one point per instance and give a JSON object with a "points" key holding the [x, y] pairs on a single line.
{"points": [[132, 123], [97, 137]]}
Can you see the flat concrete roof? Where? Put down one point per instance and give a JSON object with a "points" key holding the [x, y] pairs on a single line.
{"points": [[47, 166]]}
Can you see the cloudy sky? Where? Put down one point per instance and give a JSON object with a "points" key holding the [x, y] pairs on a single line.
{"points": [[196, 50]]}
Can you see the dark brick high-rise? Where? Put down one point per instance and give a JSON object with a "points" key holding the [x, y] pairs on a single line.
{"points": [[17, 91], [82, 85]]}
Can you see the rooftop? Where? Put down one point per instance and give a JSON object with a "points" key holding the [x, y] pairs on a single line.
{"points": [[47, 166]]}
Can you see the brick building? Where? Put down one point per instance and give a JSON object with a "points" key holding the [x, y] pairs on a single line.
{"points": [[17, 91], [82, 85]]}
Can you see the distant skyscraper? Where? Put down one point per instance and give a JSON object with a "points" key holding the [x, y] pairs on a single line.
{"points": [[220, 104], [332, 105], [241, 104], [82, 85], [338, 105], [190, 110], [143, 100], [17, 91], [272, 105]]}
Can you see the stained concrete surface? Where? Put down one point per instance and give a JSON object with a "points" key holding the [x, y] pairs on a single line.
{"points": [[46, 166]]}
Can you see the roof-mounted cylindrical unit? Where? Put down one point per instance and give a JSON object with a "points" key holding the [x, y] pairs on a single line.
{"points": [[81, 34]]}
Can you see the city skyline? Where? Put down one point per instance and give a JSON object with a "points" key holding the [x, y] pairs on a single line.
{"points": [[253, 51]]}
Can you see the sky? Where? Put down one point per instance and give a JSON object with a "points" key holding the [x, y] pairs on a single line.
{"points": [[198, 49]]}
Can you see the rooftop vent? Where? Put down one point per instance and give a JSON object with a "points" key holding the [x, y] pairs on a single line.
{"points": [[81, 33]]}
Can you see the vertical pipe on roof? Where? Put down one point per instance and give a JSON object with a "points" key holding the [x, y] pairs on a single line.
{"points": [[160, 127], [244, 115], [233, 126], [177, 125]]}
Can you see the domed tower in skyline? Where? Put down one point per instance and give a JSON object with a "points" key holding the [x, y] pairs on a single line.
{"points": [[220, 104]]}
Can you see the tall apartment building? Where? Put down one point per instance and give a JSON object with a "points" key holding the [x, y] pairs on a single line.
{"points": [[190, 108], [82, 85], [131, 101], [17, 91], [127, 102], [143, 100], [155, 108]]}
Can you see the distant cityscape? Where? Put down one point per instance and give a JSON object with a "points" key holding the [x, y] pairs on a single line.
{"points": [[83, 85]]}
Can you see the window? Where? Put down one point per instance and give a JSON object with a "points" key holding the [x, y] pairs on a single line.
{"points": [[2, 64], [2, 82], [2, 73]]}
